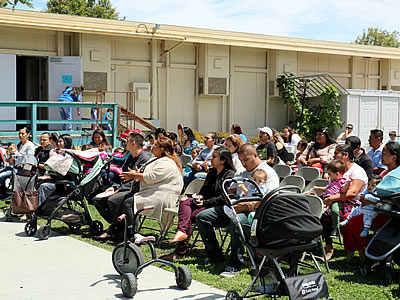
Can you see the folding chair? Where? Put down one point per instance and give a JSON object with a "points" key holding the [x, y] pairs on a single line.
{"points": [[293, 180], [193, 188], [316, 182], [282, 171], [317, 208], [185, 159], [308, 173]]}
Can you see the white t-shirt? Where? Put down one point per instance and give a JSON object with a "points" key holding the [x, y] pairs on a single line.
{"points": [[237, 163], [295, 140], [356, 172], [272, 181]]}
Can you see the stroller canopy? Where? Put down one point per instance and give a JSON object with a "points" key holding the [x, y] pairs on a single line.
{"points": [[390, 183], [285, 219]]}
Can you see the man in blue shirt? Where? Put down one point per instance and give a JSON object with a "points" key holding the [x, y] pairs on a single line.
{"points": [[70, 95], [375, 141]]}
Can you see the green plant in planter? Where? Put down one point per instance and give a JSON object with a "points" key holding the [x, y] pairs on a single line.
{"points": [[326, 114]]}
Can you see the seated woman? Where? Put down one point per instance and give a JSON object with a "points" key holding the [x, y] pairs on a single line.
{"points": [[232, 143], [190, 141], [348, 200], [236, 129], [210, 195], [24, 154], [320, 153], [160, 185], [99, 140], [351, 232], [47, 188], [280, 146], [290, 137]]}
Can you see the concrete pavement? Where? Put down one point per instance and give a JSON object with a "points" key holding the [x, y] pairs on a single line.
{"points": [[65, 268]]}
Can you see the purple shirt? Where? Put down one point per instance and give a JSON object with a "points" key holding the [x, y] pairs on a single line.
{"points": [[334, 187]]}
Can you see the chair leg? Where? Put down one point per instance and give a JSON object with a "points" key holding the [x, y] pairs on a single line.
{"points": [[323, 253]]}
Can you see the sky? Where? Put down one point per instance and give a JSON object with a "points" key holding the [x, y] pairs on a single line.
{"points": [[335, 20]]}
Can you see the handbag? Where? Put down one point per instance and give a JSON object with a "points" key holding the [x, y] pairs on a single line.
{"points": [[24, 202], [24, 197]]}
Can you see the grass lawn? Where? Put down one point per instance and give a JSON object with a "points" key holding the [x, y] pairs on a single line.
{"points": [[343, 282]]}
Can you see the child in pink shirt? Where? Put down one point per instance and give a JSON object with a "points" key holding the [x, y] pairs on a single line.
{"points": [[336, 169]]}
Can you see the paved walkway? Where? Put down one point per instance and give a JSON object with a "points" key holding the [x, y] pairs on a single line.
{"points": [[65, 268]]}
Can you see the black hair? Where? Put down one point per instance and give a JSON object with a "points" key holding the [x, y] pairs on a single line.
{"points": [[54, 137], [377, 133], [226, 156], [394, 149], [303, 143], [68, 142], [137, 138], [149, 136], [354, 142], [237, 129], [329, 137], [214, 136], [189, 133], [173, 136], [376, 177], [158, 131], [346, 149]]}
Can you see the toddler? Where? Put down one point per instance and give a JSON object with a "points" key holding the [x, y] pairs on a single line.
{"points": [[114, 167], [301, 146], [11, 150], [336, 169], [259, 176], [367, 210], [195, 153]]}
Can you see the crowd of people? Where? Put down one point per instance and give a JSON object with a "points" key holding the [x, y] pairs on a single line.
{"points": [[147, 170]]}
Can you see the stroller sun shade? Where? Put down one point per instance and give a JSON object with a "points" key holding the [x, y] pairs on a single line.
{"points": [[284, 220]]}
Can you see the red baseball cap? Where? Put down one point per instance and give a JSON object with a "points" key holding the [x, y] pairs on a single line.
{"points": [[125, 134]]}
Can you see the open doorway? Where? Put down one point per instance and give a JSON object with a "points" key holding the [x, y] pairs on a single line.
{"points": [[32, 85]]}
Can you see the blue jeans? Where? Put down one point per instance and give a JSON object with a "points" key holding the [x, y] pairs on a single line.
{"points": [[237, 248], [66, 114], [206, 221]]}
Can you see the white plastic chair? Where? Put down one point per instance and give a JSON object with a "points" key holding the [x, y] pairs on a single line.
{"points": [[282, 170], [294, 180], [308, 173]]}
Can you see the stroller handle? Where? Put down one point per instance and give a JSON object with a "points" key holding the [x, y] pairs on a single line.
{"points": [[227, 182]]}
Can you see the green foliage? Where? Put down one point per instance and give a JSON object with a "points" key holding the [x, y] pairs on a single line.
{"points": [[378, 37], [326, 114], [88, 8], [4, 3], [198, 136]]}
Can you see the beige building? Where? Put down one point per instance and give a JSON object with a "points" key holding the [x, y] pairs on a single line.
{"points": [[204, 79]]}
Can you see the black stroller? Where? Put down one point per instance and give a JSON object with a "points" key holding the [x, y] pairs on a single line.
{"points": [[69, 202], [384, 247], [282, 232]]}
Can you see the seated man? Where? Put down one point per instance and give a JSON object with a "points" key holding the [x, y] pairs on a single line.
{"points": [[216, 217], [266, 150], [43, 151], [201, 162]]}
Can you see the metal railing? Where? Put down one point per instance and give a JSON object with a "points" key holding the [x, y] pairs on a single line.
{"points": [[12, 135]]}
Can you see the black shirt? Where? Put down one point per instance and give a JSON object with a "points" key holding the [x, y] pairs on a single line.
{"points": [[265, 151], [42, 155], [365, 162], [212, 188], [132, 163]]}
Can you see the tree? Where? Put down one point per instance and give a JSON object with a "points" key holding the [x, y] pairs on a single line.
{"points": [[4, 3], [379, 37], [88, 8]]}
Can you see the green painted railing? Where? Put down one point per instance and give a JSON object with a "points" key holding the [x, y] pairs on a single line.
{"points": [[77, 135]]}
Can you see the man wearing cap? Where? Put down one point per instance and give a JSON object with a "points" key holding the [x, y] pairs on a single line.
{"points": [[361, 158], [347, 133], [267, 150]]}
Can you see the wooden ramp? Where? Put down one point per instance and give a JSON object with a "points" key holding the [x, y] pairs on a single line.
{"points": [[134, 117]]}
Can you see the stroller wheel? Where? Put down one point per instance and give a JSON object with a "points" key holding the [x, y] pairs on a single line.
{"points": [[388, 277], [7, 213], [129, 285], [134, 258], [74, 227], [232, 295], [184, 277], [96, 228], [30, 228], [44, 232]]}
